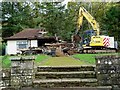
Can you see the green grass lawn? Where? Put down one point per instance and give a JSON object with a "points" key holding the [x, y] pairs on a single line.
{"points": [[62, 61], [40, 58], [0, 61], [6, 63], [82, 59], [90, 58]]}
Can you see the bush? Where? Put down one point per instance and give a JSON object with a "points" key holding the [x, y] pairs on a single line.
{"points": [[6, 62]]}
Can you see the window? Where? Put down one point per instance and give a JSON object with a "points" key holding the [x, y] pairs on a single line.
{"points": [[22, 44]]}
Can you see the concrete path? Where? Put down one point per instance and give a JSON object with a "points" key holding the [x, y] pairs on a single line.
{"points": [[77, 88]]}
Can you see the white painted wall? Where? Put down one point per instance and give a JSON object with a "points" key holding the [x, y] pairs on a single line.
{"points": [[34, 43], [11, 47]]}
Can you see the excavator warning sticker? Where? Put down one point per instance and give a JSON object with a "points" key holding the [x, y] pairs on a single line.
{"points": [[106, 41]]}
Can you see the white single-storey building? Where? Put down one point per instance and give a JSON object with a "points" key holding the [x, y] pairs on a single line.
{"points": [[26, 39]]}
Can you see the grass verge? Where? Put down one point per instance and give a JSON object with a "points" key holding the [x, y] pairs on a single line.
{"points": [[5, 61], [62, 61], [40, 58], [84, 59], [90, 58]]}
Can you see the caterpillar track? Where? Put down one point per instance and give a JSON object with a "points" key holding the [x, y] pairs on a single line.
{"points": [[100, 51]]}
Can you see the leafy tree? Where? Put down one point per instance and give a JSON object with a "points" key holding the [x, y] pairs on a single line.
{"points": [[53, 17], [111, 21], [15, 17]]}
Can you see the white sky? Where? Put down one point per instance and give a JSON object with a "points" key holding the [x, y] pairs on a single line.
{"points": [[66, 2]]}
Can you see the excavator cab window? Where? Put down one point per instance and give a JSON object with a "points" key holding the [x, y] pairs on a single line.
{"points": [[87, 36]]}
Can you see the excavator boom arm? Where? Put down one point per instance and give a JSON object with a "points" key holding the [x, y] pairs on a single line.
{"points": [[91, 20]]}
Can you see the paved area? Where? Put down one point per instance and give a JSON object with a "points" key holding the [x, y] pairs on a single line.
{"points": [[75, 72], [65, 80], [78, 88]]}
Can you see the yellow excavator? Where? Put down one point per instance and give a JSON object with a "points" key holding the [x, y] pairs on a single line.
{"points": [[95, 41]]}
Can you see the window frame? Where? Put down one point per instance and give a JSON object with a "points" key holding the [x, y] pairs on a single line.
{"points": [[22, 42]]}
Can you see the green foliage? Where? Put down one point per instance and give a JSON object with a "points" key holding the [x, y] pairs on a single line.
{"points": [[6, 63], [111, 21], [16, 16], [53, 17]]}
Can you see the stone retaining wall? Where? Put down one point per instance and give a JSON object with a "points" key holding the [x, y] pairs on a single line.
{"points": [[22, 72], [6, 77], [108, 71], [20, 75]]}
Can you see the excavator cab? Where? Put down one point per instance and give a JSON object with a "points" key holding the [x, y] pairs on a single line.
{"points": [[86, 38]]}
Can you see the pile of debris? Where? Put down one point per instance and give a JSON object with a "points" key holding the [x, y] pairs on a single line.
{"points": [[60, 49]]}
